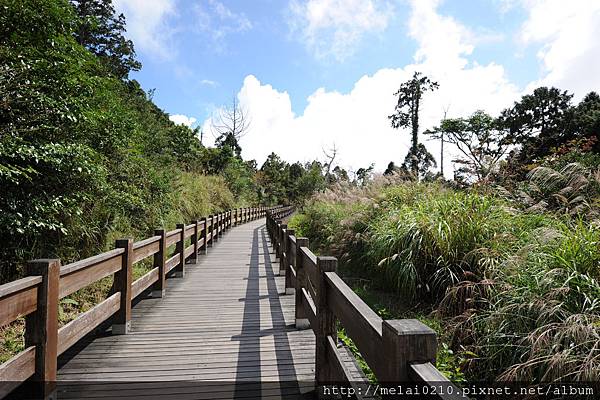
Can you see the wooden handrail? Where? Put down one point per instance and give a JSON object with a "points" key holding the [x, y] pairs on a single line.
{"points": [[36, 296], [397, 351]]}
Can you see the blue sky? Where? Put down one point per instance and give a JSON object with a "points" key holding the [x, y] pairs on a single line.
{"points": [[324, 70]]}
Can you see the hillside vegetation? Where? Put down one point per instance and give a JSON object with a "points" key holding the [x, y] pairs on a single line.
{"points": [[513, 290]]}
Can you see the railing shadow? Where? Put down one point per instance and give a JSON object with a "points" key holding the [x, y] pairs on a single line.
{"points": [[250, 369]]}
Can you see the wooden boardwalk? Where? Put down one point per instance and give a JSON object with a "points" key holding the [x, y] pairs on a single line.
{"points": [[228, 320], [224, 330]]}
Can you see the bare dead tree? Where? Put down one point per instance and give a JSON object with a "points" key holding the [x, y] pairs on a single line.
{"points": [[440, 135], [330, 155], [230, 120]]}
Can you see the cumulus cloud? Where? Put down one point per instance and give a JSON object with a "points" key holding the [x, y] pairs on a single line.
{"points": [[568, 36], [357, 121], [181, 119], [146, 25], [336, 27]]}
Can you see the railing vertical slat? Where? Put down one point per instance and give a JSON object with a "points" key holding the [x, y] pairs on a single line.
{"points": [[289, 289], [122, 283], [41, 326], [325, 321], [158, 290], [180, 249], [301, 319]]}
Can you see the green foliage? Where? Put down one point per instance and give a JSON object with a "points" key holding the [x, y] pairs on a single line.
{"points": [[84, 156], [516, 292], [480, 140], [406, 111], [101, 31], [283, 183]]}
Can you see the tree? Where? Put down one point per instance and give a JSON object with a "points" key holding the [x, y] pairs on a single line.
{"points": [[331, 155], [407, 111], [363, 175], [228, 140], [439, 134], [478, 138], [230, 123], [391, 169], [587, 119], [101, 31], [423, 159], [274, 179], [539, 122]]}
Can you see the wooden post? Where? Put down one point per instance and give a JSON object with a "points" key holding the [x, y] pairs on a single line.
{"points": [[301, 319], [216, 231], [406, 341], [203, 234], [41, 326], [180, 248], [122, 283], [289, 289], [159, 287], [280, 236], [283, 252], [194, 257], [325, 321], [235, 217], [209, 230]]}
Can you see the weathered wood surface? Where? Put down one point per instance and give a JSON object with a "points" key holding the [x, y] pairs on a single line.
{"points": [[228, 320]]}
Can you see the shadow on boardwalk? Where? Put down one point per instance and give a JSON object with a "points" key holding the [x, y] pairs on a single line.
{"points": [[224, 331]]}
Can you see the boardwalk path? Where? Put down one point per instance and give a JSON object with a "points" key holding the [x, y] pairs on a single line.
{"points": [[226, 321]]}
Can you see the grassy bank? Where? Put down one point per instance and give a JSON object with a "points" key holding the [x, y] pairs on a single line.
{"points": [[514, 293], [192, 196]]}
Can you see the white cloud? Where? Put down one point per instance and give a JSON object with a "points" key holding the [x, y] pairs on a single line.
{"points": [[336, 27], [146, 24], [357, 121], [208, 82], [181, 119], [568, 34], [219, 21]]}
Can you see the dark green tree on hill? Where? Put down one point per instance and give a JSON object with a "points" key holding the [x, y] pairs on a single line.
{"points": [[539, 123], [406, 113], [101, 31]]}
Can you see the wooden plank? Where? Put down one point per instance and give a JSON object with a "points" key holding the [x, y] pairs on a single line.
{"points": [[309, 263], [189, 251], [16, 370], [172, 263], [341, 371], [427, 373], [309, 308], [144, 282], [86, 322], [88, 262], [173, 237], [189, 231], [82, 277], [18, 285], [18, 298], [362, 324], [145, 248]]}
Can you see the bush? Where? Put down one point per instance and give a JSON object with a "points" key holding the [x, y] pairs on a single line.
{"points": [[516, 292]]}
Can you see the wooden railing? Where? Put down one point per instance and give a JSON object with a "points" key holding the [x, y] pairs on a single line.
{"points": [[397, 351], [36, 297]]}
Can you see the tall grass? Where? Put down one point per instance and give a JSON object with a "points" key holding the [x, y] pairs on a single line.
{"points": [[516, 290]]}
